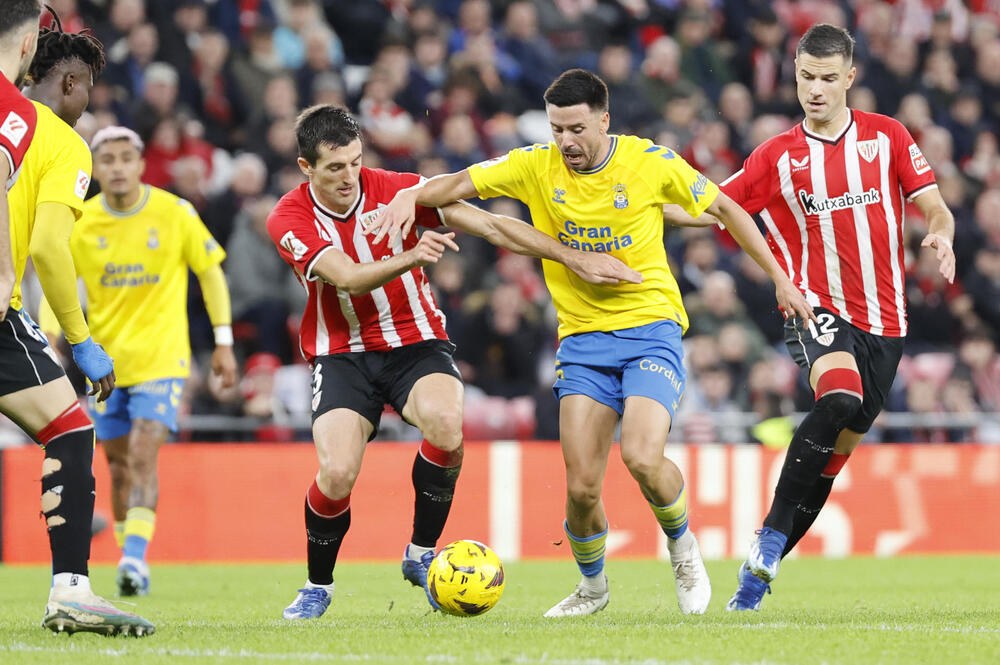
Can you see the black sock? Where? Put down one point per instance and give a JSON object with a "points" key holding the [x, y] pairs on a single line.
{"points": [[68, 499], [323, 536], [807, 456], [807, 511], [434, 487]]}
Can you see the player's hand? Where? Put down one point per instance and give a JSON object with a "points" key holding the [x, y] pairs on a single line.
{"points": [[395, 219], [431, 247], [792, 303], [945, 254], [97, 366], [600, 268], [224, 365]]}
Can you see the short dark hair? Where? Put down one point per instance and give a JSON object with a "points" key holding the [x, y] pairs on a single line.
{"points": [[18, 12], [56, 46], [324, 124], [823, 40], [578, 86]]}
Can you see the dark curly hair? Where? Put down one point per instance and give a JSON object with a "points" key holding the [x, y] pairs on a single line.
{"points": [[56, 46]]}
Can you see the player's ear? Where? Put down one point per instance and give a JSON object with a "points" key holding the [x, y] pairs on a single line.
{"points": [[142, 167], [305, 167], [605, 122], [29, 43], [68, 81], [852, 74]]}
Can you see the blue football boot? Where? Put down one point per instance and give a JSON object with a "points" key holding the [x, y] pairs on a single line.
{"points": [[765, 553], [415, 571], [309, 604], [750, 592]]}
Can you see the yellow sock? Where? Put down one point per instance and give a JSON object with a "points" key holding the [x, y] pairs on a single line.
{"points": [[589, 551], [673, 517], [120, 533], [139, 526]]}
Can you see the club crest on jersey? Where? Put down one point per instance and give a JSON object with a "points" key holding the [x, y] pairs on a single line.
{"points": [[558, 194], [153, 241], [812, 205], [367, 218], [102, 242], [868, 149], [621, 196]]}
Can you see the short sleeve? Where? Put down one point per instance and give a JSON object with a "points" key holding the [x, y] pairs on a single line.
{"points": [[506, 175], [678, 182], [201, 251], [750, 187], [66, 177], [296, 237], [18, 120], [914, 173]]}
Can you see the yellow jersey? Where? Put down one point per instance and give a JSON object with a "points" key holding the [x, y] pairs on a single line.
{"points": [[134, 265], [615, 207], [56, 169]]}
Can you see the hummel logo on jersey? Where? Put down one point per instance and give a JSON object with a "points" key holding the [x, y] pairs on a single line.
{"points": [[14, 128], [558, 194], [698, 187], [868, 149], [800, 163], [813, 206]]}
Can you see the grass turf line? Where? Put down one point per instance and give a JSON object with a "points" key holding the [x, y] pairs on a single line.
{"points": [[909, 611]]}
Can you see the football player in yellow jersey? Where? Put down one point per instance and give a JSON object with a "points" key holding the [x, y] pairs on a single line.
{"points": [[620, 345], [132, 248], [51, 181]]}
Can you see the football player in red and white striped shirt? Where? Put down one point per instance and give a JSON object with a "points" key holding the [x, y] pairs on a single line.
{"points": [[831, 193], [375, 336]]}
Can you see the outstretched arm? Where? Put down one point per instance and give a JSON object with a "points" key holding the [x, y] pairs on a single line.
{"points": [[941, 230], [398, 217], [675, 215], [522, 238], [741, 226], [337, 268]]}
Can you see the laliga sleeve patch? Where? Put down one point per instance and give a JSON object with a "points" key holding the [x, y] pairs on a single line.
{"points": [[82, 184], [918, 160], [296, 247], [14, 128]]}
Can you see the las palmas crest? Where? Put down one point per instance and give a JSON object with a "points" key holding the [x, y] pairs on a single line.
{"points": [[621, 197]]}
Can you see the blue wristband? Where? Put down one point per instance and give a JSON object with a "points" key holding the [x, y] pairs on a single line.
{"points": [[92, 359]]}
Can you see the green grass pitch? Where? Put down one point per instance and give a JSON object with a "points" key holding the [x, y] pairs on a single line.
{"points": [[934, 610]]}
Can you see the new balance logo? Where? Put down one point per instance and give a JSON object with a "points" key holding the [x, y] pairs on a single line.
{"points": [[813, 206]]}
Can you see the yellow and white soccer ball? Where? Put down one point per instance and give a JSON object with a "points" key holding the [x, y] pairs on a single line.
{"points": [[466, 578]]}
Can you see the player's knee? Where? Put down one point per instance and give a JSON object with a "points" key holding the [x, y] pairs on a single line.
{"points": [[337, 478], [444, 430], [583, 492], [119, 471], [643, 460], [839, 393]]}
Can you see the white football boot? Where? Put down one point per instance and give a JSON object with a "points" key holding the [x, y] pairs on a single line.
{"points": [[694, 590], [590, 596]]}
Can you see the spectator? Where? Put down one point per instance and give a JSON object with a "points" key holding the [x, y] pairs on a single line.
{"points": [[522, 40], [702, 60], [629, 110]]}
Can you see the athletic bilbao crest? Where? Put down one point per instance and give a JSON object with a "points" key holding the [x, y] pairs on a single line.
{"points": [[868, 149], [621, 197]]}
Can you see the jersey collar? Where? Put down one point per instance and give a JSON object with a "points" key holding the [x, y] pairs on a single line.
{"points": [[143, 199], [604, 162], [337, 216], [828, 139]]}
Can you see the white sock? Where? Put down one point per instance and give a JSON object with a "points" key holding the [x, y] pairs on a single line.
{"points": [[327, 587], [596, 584], [681, 543], [75, 580], [414, 552]]}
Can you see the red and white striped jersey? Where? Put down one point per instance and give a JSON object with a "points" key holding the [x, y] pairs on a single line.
{"points": [[833, 209], [18, 119], [398, 313]]}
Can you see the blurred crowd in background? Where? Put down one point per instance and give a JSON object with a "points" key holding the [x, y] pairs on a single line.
{"points": [[213, 87]]}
